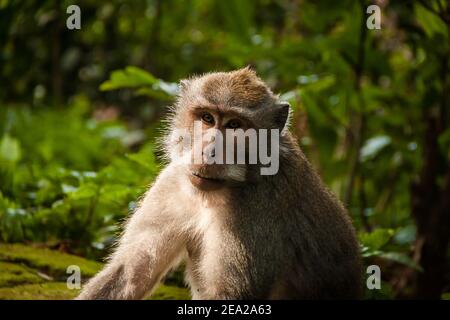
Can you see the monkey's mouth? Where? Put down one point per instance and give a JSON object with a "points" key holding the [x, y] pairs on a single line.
{"points": [[200, 176], [205, 183]]}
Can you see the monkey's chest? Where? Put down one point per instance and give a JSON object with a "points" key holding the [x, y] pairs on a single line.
{"points": [[224, 265]]}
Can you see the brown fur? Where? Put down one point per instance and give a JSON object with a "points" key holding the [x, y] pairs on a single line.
{"points": [[269, 237]]}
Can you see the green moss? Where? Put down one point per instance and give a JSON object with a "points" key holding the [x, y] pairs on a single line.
{"points": [[59, 291], [19, 278], [14, 274], [165, 292], [42, 291], [52, 262]]}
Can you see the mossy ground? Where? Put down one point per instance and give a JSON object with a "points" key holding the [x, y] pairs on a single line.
{"points": [[31, 273], [166, 292], [52, 262], [12, 274]]}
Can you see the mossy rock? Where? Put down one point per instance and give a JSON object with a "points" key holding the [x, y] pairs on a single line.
{"points": [[40, 291], [14, 274], [52, 262]]}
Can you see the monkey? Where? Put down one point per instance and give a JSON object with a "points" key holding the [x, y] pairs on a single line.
{"points": [[240, 234]]}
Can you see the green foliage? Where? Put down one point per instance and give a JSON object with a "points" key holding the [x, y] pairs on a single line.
{"points": [[142, 82], [374, 242], [69, 181], [377, 239]]}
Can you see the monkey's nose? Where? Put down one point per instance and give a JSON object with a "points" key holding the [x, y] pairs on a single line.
{"points": [[209, 153]]}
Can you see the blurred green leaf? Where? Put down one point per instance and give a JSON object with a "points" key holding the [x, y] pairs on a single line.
{"points": [[376, 239], [373, 146], [401, 258], [130, 77], [10, 150], [428, 20], [85, 191], [142, 81]]}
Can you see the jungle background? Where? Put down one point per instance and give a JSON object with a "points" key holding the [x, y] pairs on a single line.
{"points": [[80, 113]]}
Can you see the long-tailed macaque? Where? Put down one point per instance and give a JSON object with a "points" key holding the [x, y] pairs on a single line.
{"points": [[242, 234]]}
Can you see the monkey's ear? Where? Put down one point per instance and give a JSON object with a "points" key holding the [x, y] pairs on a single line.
{"points": [[281, 114]]}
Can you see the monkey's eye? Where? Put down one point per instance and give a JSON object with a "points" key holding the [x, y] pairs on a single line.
{"points": [[233, 124], [208, 118]]}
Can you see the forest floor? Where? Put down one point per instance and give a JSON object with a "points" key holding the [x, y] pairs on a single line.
{"points": [[31, 273]]}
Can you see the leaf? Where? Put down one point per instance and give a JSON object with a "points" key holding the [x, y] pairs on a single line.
{"points": [[6, 203], [152, 93], [10, 149], [115, 193], [315, 84], [401, 258], [406, 235], [141, 74], [429, 21], [130, 77], [85, 191], [376, 239], [367, 253], [373, 146], [169, 88], [143, 82], [66, 188], [144, 159], [160, 90]]}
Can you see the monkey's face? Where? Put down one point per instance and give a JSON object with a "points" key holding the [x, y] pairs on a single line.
{"points": [[209, 147], [216, 130]]}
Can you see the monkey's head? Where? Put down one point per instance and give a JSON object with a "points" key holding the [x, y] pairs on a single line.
{"points": [[210, 113]]}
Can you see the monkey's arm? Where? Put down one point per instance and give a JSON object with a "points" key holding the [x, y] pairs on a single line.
{"points": [[149, 247]]}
